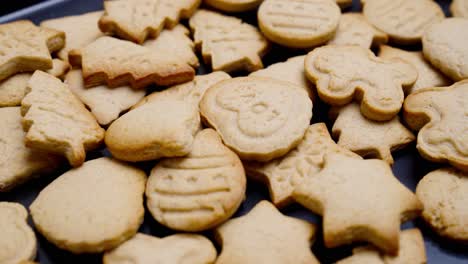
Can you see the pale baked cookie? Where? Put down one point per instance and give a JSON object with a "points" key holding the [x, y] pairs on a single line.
{"points": [[105, 103], [17, 162], [226, 43], [56, 121], [282, 175], [234, 5], [13, 89], [118, 62], [17, 239], [24, 47], [163, 124], [404, 21], [459, 8], [445, 45], [175, 42], [92, 208], [137, 20], [259, 118], [354, 29], [342, 73], [178, 248], [428, 76], [299, 24], [265, 235], [440, 115], [80, 31], [199, 191], [292, 71], [412, 250], [444, 193], [345, 190], [369, 138]]}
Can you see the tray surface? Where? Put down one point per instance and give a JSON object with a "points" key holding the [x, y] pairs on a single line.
{"points": [[409, 167]]}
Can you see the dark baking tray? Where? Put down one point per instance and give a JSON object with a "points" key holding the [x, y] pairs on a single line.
{"points": [[409, 166]]}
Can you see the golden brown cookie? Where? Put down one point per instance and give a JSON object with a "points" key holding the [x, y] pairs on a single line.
{"points": [[137, 20], [282, 175], [440, 116], [199, 191], [178, 248], [344, 73], [226, 43], [369, 138], [265, 235], [118, 62], [404, 21], [25, 47], [92, 208], [259, 118], [298, 24], [56, 121], [344, 191], [234, 5]]}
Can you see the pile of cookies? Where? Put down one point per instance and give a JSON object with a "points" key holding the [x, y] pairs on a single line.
{"points": [[74, 84]]}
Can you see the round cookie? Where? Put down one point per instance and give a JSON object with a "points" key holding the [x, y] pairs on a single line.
{"points": [[199, 191], [299, 24], [91, 208], [459, 8], [445, 45], [234, 5], [444, 193], [259, 118], [17, 239], [404, 21]]}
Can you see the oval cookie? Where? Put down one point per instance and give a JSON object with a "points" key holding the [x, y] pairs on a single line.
{"points": [[444, 193], [299, 24], [91, 208], [234, 5], [445, 45], [199, 191], [259, 118], [17, 239], [404, 21]]}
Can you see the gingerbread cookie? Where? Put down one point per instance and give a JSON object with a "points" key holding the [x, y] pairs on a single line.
{"points": [[199, 191], [265, 235], [428, 76], [13, 89], [444, 193], [118, 62], [226, 43], [18, 163], [354, 29], [342, 73], [234, 5], [282, 175], [105, 103], [346, 216], [176, 42], [404, 21], [369, 138], [80, 31], [92, 208], [459, 8], [137, 20], [298, 24], [259, 118], [445, 46], [173, 132], [17, 239], [440, 116], [56, 121], [24, 47], [178, 248]]}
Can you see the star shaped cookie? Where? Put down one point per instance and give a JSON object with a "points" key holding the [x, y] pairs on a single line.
{"points": [[265, 235], [283, 174], [360, 200]]}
